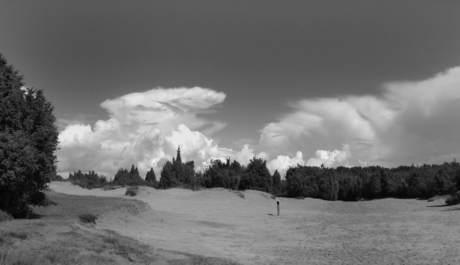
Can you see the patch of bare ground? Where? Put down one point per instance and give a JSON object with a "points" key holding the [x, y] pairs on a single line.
{"points": [[222, 224]]}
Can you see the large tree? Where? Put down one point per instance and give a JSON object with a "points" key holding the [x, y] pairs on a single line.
{"points": [[256, 176], [28, 140]]}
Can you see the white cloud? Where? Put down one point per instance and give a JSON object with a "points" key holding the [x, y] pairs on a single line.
{"points": [[410, 122], [143, 129], [322, 157], [160, 105], [331, 158]]}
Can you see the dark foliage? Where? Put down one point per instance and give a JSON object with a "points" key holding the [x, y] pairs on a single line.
{"points": [[454, 199], [151, 178], [28, 139], [129, 178], [176, 173], [87, 218], [218, 174], [167, 180], [88, 180], [132, 190], [256, 176], [276, 180], [4, 216], [56, 177], [351, 184]]}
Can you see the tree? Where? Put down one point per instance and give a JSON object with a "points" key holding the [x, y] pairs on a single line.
{"points": [[178, 158], [276, 179], [167, 179], [256, 176], [129, 178], [28, 140], [151, 178]]}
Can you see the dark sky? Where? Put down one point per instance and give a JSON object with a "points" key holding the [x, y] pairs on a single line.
{"points": [[261, 54]]}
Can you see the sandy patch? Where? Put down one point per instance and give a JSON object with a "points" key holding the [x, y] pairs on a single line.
{"points": [[220, 223]]}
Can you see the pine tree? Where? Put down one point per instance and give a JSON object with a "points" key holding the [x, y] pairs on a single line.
{"points": [[166, 178], [178, 159], [28, 140], [150, 177], [276, 179]]}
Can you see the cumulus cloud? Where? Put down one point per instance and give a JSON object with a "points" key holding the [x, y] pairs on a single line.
{"points": [[409, 122], [322, 157], [144, 129]]}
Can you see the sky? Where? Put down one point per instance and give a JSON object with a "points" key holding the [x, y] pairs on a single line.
{"points": [[338, 83]]}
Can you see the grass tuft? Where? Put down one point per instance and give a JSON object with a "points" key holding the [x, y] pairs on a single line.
{"points": [[87, 218]]}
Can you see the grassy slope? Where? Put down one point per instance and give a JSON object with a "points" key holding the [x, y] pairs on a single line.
{"points": [[58, 236]]}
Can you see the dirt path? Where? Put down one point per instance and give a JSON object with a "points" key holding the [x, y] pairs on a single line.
{"points": [[220, 223]]}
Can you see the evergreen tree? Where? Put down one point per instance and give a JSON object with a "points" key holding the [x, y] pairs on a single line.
{"points": [[133, 170], [276, 179], [167, 178], [256, 176], [129, 178], [151, 178], [178, 159], [28, 140]]}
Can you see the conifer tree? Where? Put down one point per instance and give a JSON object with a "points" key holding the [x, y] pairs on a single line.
{"points": [[150, 177], [28, 140], [166, 178], [276, 179], [178, 159]]}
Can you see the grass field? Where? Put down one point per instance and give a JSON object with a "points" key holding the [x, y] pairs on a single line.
{"points": [[66, 234]]}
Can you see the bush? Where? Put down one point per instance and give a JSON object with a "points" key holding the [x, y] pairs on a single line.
{"points": [[89, 180], [87, 218], [111, 187], [132, 190], [454, 199], [4, 216], [129, 178]]}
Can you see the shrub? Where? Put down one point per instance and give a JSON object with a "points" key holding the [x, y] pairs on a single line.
{"points": [[4, 216], [132, 190], [89, 180], [129, 178], [111, 187], [454, 199], [87, 218]]}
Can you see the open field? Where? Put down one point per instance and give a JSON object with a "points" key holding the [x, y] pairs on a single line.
{"points": [[58, 236], [221, 223]]}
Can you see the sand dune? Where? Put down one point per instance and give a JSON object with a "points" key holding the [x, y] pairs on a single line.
{"points": [[218, 222]]}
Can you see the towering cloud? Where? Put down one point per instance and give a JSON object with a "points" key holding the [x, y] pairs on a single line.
{"points": [[143, 129], [410, 122]]}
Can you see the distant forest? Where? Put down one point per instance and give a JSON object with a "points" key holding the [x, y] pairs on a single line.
{"points": [[341, 183]]}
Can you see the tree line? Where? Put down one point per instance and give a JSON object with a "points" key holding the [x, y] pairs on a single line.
{"points": [[355, 183], [341, 183]]}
